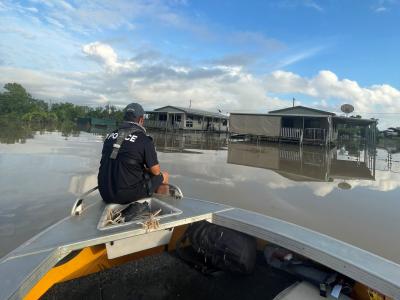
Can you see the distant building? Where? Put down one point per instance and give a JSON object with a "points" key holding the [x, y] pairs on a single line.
{"points": [[176, 118], [91, 122], [299, 123]]}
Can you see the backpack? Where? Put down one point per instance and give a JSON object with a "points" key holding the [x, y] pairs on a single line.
{"points": [[213, 247]]}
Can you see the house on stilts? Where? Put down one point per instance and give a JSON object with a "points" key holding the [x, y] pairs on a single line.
{"points": [[181, 118], [298, 124]]}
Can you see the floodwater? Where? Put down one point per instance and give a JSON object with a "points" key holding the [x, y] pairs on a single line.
{"points": [[349, 192]]}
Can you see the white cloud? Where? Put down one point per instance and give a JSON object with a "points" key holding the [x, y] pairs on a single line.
{"points": [[293, 4], [3, 7], [255, 38], [54, 22], [103, 53], [153, 83], [231, 88], [313, 4], [382, 6], [86, 17], [380, 9], [32, 9], [299, 56]]}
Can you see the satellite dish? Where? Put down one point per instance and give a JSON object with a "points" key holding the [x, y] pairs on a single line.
{"points": [[347, 108]]}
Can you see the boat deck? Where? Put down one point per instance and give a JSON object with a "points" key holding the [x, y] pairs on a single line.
{"points": [[164, 276], [24, 266], [21, 269]]}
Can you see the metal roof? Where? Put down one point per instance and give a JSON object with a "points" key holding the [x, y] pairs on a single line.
{"points": [[192, 111], [282, 115], [354, 121], [337, 119], [288, 109]]}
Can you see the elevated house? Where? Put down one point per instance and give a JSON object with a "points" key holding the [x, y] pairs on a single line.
{"points": [[182, 118], [299, 123]]}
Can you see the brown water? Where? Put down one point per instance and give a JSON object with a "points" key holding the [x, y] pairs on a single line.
{"points": [[348, 192]]}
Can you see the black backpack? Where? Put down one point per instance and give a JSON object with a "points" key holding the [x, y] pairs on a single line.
{"points": [[213, 247]]}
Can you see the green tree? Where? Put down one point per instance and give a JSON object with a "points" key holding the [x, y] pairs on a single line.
{"points": [[17, 103], [15, 99]]}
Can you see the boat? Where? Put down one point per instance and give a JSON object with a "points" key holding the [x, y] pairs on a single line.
{"points": [[86, 242]]}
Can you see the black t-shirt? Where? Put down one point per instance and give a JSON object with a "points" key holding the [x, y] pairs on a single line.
{"points": [[126, 172]]}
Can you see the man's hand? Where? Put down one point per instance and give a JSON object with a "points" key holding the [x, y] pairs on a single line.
{"points": [[155, 170]]}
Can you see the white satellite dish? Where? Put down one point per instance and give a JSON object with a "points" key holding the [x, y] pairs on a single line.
{"points": [[347, 108]]}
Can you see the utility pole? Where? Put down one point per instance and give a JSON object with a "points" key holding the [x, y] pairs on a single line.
{"points": [[294, 99], [190, 103]]}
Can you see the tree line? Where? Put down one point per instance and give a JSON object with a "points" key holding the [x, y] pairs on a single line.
{"points": [[16, 103]]}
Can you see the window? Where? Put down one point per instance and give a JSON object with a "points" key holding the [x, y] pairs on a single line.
{"points": [[150, 117], [189, 121], [162, 117], [224, 122]]}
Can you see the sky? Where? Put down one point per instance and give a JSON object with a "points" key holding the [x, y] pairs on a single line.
{"points": [[236, 56]]}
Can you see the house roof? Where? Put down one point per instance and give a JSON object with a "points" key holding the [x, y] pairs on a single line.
{"points": [[301, 110], [353, 121], [192, 111]]}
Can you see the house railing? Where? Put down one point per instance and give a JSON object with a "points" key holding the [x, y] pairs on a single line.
{"points": [[315, 134], [308, 134], [162, 124], [291, 133]]}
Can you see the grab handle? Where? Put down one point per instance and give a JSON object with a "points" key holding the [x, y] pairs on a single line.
{"points": [[77, 208], [178, 192]]}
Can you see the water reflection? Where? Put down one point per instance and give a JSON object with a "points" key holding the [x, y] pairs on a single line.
{"points": [[186, 142], [307, 163], [14, 131]]}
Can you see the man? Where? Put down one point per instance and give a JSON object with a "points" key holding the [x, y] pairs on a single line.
{"points": [[129, 168]]}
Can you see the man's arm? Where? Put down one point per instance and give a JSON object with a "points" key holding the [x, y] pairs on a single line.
{"points": [[155, 170], [151, 161]]}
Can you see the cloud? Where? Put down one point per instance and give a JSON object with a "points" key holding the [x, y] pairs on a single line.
{"points": [[299, 56], [231, 88], [380, 9], [292, 4], [313, 4], [88, 17], [241, 59], [153, 83], [383, 6], [255, 39], [3, 7], [103, 53]]}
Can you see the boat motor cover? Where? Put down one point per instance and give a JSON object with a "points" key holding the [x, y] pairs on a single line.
{"points": [[214, 247]]}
